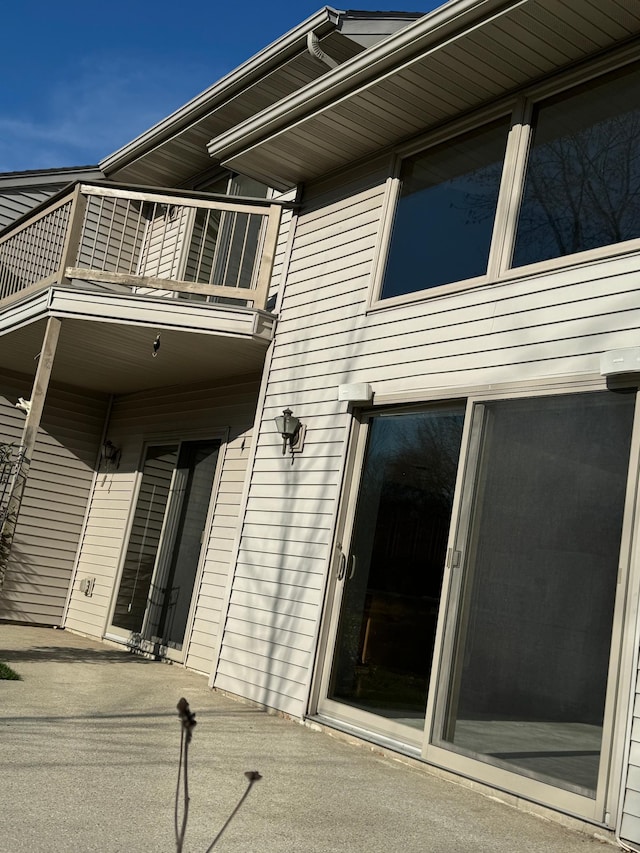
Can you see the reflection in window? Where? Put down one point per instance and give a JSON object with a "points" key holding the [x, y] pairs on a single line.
{"points": [[444, 221], [392, 590], [582, 186], [530, 672]]}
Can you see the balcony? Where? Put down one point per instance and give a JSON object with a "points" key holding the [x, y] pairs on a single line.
{"points": [[118, 266], [198, 246]]}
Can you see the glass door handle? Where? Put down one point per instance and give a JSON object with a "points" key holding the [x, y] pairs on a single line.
{"points": [[342, 566], [352, 570]]}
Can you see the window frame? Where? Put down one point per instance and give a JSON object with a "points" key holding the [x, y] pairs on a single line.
{"points": [[520, 107]]}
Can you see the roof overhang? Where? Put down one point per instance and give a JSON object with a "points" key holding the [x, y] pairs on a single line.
{"points": [[464, 55], [174, 152], [106, 340], [153, 147]]}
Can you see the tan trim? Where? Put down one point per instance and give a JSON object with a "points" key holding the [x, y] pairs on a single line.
{"points": [[40, 386], [163, 284], [268, 251], [74, 229], [239, 205]]}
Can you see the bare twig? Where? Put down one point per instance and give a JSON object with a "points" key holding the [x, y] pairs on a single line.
{"points": [[188, 720], [253, 776]]}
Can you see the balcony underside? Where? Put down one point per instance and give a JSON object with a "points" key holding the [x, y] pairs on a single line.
{"points": [[106, 340]]}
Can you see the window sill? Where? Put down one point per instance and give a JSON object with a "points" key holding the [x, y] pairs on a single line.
{"points": [[581, 260]]}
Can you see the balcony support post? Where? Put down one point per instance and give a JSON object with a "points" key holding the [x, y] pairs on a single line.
{"points": [[9, 514], [40, 387]]}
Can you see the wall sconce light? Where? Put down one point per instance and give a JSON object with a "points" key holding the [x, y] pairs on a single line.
{"points": [[110, 455], [289, 428]]}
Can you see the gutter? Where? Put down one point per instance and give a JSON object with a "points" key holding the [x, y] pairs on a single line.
{"points": [[431, 31], [254, 68], [313, 46]]}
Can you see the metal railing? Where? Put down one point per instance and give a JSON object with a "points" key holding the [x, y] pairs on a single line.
{"points": [[216, 248]]}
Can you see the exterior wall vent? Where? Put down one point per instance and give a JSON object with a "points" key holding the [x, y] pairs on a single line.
{"points": [[86, 586]]}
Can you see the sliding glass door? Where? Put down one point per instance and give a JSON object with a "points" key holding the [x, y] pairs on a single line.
{"points": [[534, 600], [477, 616], [161, 561], [390, 575]]}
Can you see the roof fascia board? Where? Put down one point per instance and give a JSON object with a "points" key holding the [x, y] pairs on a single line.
{"points": [[449, 21], [18, 180], [271, 56]]}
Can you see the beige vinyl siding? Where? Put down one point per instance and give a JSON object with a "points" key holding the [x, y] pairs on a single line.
{"points": [[282, 245], [164, 416], [112, 235], [163, 246], [54, 499], [21, 192], [630, 824], [15, 203], [539, 327]]}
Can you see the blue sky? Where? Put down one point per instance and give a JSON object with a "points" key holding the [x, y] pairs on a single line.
{"points": [[81, 79]]}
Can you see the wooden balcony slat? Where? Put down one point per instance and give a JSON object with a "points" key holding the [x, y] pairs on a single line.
{"points": [[154, 283]]}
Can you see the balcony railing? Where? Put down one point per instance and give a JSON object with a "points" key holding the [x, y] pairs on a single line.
{"points": [[194, 246]]}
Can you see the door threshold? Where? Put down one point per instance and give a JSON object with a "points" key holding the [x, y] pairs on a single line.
{"points": [[383, 741], [144, 648]]}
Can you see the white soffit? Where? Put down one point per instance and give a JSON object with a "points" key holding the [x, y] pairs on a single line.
{"points": [[175, 149], [451, 61]]}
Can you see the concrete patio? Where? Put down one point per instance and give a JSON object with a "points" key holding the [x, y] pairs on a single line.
{"points": [[90, 741]]}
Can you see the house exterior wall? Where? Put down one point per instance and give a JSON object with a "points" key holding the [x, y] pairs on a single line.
{"points": [[262, 598], [543, 330], [172, 413], [54, 499]]}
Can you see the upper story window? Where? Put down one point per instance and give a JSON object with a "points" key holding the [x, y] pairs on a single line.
{"points": [[582, 186], [444, 219], [580, 191]]}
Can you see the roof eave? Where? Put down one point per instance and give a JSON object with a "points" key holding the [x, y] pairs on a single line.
{"points": [[452, 18], [271, 56]]}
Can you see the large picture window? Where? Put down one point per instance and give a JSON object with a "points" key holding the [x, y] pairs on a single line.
{"points": [[444, 221], [582, 185], [580, 190]]}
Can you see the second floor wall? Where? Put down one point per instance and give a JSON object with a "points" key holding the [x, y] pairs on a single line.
{"points": [[543, 324]]}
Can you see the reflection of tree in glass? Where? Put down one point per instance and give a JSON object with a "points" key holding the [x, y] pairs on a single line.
{"points": [[427, 449], [408, 488], [582, 191]]}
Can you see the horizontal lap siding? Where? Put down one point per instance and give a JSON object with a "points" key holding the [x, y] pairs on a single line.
{"points": [[165, 416], [112, 234], [530, 328], [54, 500], [280, 252], [630, 824], [15, 203], [269, 640]]}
